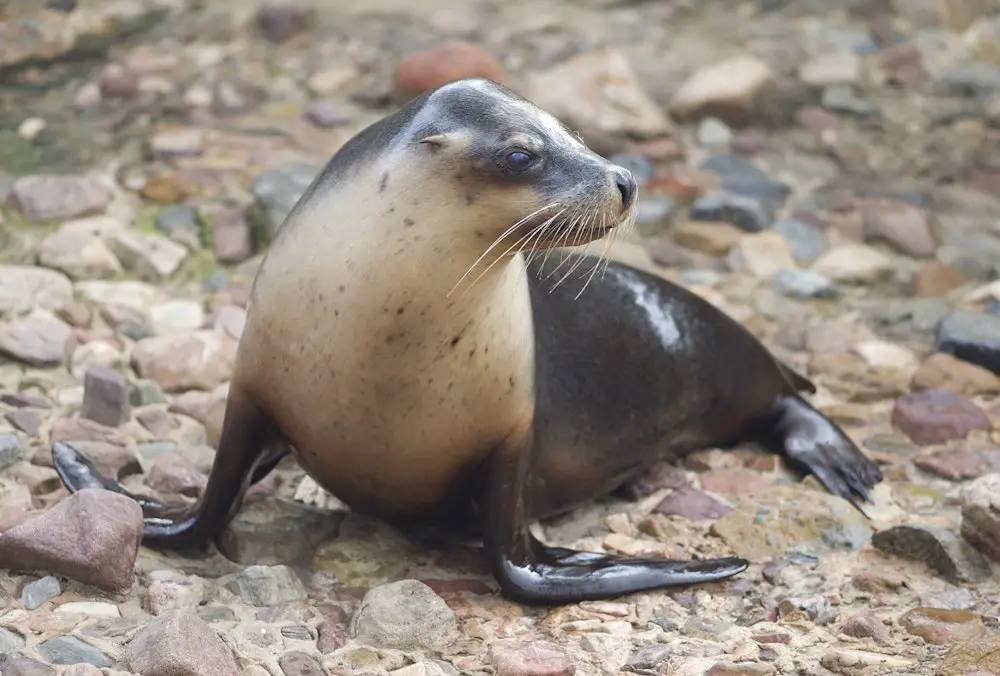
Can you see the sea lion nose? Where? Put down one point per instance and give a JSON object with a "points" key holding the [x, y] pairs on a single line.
{"points": [[626, 186]]}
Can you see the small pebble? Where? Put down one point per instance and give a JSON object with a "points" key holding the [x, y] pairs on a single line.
{"points": [[34, 594]]}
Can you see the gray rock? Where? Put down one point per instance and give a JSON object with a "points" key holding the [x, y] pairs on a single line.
{"points": [[277, 190], [842, 98], [404, 615], [34, 594], [269, 586], [640, 166], [144, 391], [937, 547], [714, 132], [976, 79], [981, 515], [653, 213], [806, 241], [743, 211], [10, 642], [71, 650], [327, 113], [300, 664], [24, 288], [10, 450], [742, 177], [105, 397], [972, 337], [178, 218], [15, 665], [274, 531], [40, 339], [803, 284], [58, 197], [297, 632]]}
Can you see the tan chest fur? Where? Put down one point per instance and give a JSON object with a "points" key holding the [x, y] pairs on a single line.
{"points": [[388, 387]]}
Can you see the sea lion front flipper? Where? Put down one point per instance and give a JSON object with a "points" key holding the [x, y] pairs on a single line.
{"points": [[248, 450], [530, 572], [796, 430]]}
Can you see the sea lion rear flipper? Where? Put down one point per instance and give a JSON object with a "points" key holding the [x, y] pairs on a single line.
{"points": [[248, 451], [796, 430], [530, 572]]}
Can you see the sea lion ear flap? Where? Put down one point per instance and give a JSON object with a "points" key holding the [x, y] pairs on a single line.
{"points": [[434, 142]]}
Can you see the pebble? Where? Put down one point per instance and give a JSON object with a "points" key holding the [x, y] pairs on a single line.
{"points": [[276, 191], [10, 642], [714, 132], [937, 547], [71, 650], [942, 371], [92, 536], [232, 240], [764, 254], [727, 89], [179, 643], [177, 218], [36, 593], [936, 416], [79, 249], [327, 113], [741, 176], [903, 226], [176, 317], [716, 239], [866, 625], [300, 664], [981, 515], [972, 658], [40, 339], [14, 665], [152, 256], [540, 658], [10, 450], [105, 397], [269, 585], [428, 68], [199, 360], [854, 264], [841, 66], [942, 627], [281, 21], [692, 504], [253, 534], [745, 212], [796, 283], [403, 615], [52, 197], [972, 337], [24, 288], [805, 241]]}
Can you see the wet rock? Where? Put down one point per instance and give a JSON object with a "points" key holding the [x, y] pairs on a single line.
{"points": [[866, 625], [281, 21], [153, 257], [300, 664], [277, 190], [91, 537], [46, 197], [937, 547], [14, 665], [796, 283], [200, 360], [981, 515], [404, 615], [540, 658], [728, 90], [277, 531], [972, 658], [854, 264], [942, 371], [942, 627], [841, 66], [446, 62], [71, 650], [806, 241], [36, 593], [599, 95], [692, 504], [716, 239], [972, 337], [40, 339], [903, 226], [105, 397], [745, 212], [936, 416], [24, 288], [178, 643], [10, 450], [79, 249], [269, 585]]}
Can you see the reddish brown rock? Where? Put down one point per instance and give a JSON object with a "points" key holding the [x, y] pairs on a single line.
{"points": [[332, 636], [943, 371], [446, 62], [937, 416], [958, 464], [692, 504], [934, 279], [91, 537], [981, 515], [734, 482], [540, 658], [173, 473], [866, 625], [942, 627], [179, 643], [903, 65]]}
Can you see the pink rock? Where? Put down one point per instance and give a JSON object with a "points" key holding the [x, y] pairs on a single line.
{"points": [[960, 464], [16, 504], [179, 643], [662, 475], [540, 658], [692, 504], [92, 537], [38, 340], [173, 473], [866, 625], [733, 482], [937, 416]]}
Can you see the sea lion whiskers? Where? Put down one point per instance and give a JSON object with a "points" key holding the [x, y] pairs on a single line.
{"points": [[600, 259]]}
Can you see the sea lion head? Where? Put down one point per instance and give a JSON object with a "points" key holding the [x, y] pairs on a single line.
{"points": [[507, 171]]}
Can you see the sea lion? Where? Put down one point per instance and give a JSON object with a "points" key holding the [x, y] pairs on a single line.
{"points": [[422, 368]]}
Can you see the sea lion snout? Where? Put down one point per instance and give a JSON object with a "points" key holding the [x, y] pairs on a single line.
{"points": [[626, 186]]}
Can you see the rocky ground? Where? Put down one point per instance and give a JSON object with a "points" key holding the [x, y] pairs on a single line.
{"points": [[826, 172]]}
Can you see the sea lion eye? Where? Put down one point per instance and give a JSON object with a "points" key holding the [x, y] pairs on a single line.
{"points": [[518, 160]]}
